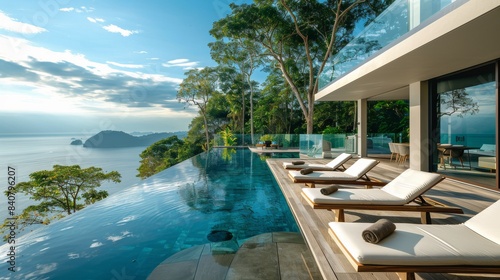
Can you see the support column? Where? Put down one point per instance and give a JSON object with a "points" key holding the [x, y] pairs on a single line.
{"points": [[362, 127], [414, 11], [419, 126]]}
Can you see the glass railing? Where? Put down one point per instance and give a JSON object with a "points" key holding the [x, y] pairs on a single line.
{"points": [[326, 145], [280, 140], [319, 145], [397, 20]]}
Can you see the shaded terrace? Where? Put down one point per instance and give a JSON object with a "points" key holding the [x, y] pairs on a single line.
{"points": [[332, 263]]}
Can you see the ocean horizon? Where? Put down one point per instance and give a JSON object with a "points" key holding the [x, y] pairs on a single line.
{"points": [[30, 152]]}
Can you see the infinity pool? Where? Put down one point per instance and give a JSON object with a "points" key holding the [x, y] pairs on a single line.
{"points": [[131, 232]]}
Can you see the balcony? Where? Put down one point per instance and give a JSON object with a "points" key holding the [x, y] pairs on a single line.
{"points": [[394, 23]]}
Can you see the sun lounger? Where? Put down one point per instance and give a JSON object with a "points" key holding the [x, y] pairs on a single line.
{"points": [[354, 175], [335, 164], [404, 193], [471, 247]]}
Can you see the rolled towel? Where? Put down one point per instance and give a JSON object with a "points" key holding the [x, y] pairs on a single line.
{"points": [[298, 162], [306, 171], [328, 190], [378, 231]]}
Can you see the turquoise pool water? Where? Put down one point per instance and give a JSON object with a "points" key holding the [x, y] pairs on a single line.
{"points": [[131, 232]]}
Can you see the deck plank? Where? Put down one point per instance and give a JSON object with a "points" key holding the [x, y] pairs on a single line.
{"points": [[331, 261]]}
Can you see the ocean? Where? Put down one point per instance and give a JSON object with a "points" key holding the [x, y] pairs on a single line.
{"points": [[30, 153]]}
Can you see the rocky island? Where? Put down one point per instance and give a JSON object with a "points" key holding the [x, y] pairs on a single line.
{"points": [[120, 139], [76, 142]]}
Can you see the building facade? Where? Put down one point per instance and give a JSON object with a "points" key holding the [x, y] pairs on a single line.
{"points": [[444, 57]]}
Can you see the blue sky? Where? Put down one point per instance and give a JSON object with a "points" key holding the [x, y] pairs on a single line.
{"points": [[84, 66]]}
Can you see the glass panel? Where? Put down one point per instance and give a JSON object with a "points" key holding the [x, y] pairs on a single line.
{"points": [[326, 145], [391, 24], [466, 122]]}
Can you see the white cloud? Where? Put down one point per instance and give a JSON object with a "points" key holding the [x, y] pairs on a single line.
{"points": [[133, 66], [142, 52], [181, 62], [95, 20], [176, 61], [69, 9], [10, 24], [68, 82], [82, 9], [85, 9], [115, 29]]}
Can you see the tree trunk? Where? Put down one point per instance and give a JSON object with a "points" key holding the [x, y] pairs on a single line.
{"points": [[206, 130], [251, 110]]}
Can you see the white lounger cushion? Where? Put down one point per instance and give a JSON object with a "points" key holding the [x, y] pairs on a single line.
{"points": [[412, 244], [360, 167], [486, 223], [354, 172], [323, 175], [402, 190], [353, 196], [332, 165], [411, 183]]}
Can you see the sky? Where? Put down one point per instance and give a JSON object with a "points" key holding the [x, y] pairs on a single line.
{"points": [[84, 66]]}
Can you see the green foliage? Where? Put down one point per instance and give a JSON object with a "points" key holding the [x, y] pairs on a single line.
{"points": [[227, 154], [388, 116], [60, 192], [332, 130], [197, 89], [266, 137], [291, 41], [340, 115], [228, 137], [161, 155], [295, 37]]}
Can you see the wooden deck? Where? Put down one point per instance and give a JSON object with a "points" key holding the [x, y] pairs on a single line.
{"points": [[331, 261]]}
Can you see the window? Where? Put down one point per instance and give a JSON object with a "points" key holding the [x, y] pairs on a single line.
{"points": [[464, 122]]}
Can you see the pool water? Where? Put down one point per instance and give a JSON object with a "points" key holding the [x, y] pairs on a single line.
{"points": [[131, 232]]}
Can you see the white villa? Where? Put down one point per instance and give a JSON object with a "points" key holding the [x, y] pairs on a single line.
{"points": [[444, 57]]}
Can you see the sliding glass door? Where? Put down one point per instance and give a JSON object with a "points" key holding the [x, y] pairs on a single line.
{"points": [[464, 125]]}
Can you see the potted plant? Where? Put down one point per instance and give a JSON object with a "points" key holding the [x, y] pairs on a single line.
{"points": [[268, 139]]}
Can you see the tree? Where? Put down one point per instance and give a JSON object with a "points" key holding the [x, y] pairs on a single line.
{"points": [[197, 89], [457, 101], [297, 36], [277, 110], [335, 117], [161, 155], [388, 116], [60, 191], [245, 54]]}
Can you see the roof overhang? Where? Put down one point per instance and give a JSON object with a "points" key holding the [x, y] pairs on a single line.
{"points": [[462, 38]]}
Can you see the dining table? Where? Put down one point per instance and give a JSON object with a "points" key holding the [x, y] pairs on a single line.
{"points": [[453, 151]]}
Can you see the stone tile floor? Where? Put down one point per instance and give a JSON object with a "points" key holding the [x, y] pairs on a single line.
{"points": [[280, 255]]}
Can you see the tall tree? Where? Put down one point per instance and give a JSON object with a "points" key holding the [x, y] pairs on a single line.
{"points": [[245, 54], [197, 89], [277, 110], [297, 36]]}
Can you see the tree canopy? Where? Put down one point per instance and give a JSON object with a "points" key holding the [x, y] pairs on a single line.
{"points": [[296, 37], [62, 190], [290, 42], [161, 155]]}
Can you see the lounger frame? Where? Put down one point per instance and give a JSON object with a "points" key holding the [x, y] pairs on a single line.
{"points": [[407, 272], [341, 167], [424, 205], [362, 181]]}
